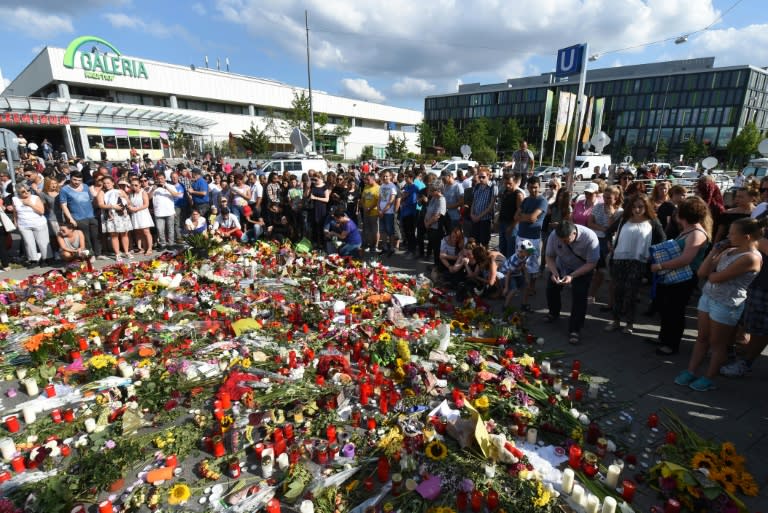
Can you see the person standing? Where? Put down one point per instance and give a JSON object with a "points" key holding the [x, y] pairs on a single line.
{"points": [[523, 160], [319, 195], [199, 191], [115, 220], [163, 197], [387, 199], [77, 208], [453, 192], [530, 222], [141, 219], [408, 213], [369, 207], [572, 254], [433, 220], [511, 199], [29, 211], [483, 203]]}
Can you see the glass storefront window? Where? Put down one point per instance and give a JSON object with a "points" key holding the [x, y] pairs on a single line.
{"points": [[725, 136], [135, 142], [94, 141], [146, 143], [123, 144], [109, 142]]}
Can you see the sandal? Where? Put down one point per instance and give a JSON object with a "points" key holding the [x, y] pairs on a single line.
{"points": [[666, 351], [703, 384], [573, 338], [685, 378]]}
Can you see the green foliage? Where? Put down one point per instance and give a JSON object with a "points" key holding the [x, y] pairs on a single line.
{"points": [[484, 154], [272, 127], [397, 147], [509, 136], [693, 150], [426, 136], [662, 151], [52, 495], [367, 153], [476, 134], [449, 138], [299, 116], [255, 140], [744, 145]]}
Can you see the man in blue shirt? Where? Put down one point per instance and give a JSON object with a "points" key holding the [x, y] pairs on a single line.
{"points": [[483, 204], [77, 208], [530, 220], [348, 233], [408, 213], [199, 192]]}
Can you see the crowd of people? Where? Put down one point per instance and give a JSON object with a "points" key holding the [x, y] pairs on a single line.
{"points": [[595, 245]]}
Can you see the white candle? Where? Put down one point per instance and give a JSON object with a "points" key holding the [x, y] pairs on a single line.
{"points": [[21, 372], [609, 506], [546, 367], [567, 483], [31, 387], [564, 391], [96, 285], [593, 504], [29, 413], [594, 389], [7, 449], [532, 434], [282, 461], [612, 478], [126, 369], [266, 467], [557, 385], [90, 425], [4, 317], [307, 507], [578, 495]]}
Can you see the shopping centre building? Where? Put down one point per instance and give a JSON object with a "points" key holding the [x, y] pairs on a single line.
{"points": [[90, 96], [644, 104]]}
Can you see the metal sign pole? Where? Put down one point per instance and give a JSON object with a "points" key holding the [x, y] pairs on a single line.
{"points": [[579, 114]]}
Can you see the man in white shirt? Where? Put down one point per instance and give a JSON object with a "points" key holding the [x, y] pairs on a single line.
{"points": [[163, 196], [257, 193]]}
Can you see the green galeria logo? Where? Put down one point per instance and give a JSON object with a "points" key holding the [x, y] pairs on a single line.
{"points": [[102, 66]]}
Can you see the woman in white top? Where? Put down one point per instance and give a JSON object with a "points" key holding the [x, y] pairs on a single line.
{"points": [[29, 211], [141, 219], [196, 223], [638, 230], [115, 220]]}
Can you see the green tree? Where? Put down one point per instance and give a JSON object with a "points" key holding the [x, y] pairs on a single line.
{"points": [[397, 147], [662, 150], [178, 139], [426, 136], [744, 145], [341, 131], [367, 153], [449, 138], [509, 137], [255, 140], [484, 154], [298, 116], [476, 134], [272, 127], [693, 150]]}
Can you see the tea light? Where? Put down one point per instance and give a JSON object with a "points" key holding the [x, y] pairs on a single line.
{"points": [[593, 504], [578, 495], [532, 435], [126, 369], [490, 471], [29, 413], [90, 425], [594, 390], [105, 506], [557, 385], [7, 448], [567, 482], [565, 390], [546, 366], [12, 424], [612, 478], [21, 372], [30, 385], [609, 505]]}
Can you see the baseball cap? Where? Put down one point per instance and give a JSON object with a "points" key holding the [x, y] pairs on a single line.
{"points": [[524, 245], [591, 187]]}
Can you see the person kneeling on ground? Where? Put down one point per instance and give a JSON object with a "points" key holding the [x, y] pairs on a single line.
{"points": [[228, 225], [72, 244], [196, 223], [514, 271], [280, 231], [572, 255], [346, 231], [483, 271]]}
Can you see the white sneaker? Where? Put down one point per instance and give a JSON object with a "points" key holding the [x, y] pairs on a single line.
{"points": [[736, 369]]}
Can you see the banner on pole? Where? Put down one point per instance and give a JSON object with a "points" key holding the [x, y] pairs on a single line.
{"points": [[547, 114], [599, 110], [587, 132], [565, 109]]}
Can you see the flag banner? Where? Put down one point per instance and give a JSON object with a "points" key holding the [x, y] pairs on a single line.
{"points": [[599, 110], [547, 114], [587, 132], [565, 108]]}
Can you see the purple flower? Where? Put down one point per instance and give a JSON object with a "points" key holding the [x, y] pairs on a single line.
{"points": [[466, 485], [110, 444]]}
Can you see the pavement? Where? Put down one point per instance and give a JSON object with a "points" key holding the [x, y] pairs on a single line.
{"points": [[641, 381]]}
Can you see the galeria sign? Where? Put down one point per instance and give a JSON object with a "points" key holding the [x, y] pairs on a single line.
{"points": [[103, 66]]}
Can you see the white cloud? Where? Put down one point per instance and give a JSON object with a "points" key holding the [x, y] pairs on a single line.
{"points": [[410, 86], [435, 42], [37, 24], [360, 88], [199, 9], [153, 28], [120, 20], [747, 45]]}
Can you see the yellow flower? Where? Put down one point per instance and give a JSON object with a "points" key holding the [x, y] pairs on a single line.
{"points": [[516, 320], [526, 360], [728, 479], [356, 309], [482, 403], [748, 485], [403, 351], [730, 457], [704, 459], [385, 337], [455, 325], [542, 496], [436, 450], [101, 361], [179, 494]]}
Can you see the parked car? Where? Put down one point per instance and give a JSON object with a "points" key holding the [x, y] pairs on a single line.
{"points": [[547, 172], [757, 169], [723, 181], [679, 171], [452, 166], [688, 179]]}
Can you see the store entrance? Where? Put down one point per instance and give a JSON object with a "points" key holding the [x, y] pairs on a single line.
{"points": [[37, 134]]}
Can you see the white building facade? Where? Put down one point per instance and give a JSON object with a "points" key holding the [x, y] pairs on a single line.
{"points": [[86, 100]]}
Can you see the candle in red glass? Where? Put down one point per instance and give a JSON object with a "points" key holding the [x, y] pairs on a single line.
{"points": [[574, 456], [628, 493], [371, 423], [319, 380], [576, 365], [356, 415], [292, 359], [575, 373], [258, 449], [74, 355], [50, 390], [589, 464], [12, 424], [536, 372], [363, 393], [330, 433], [593, 433], [273, 506], [56, 416], [218, 447], [653, 420], [382, 469], [65, 450], [672, 506], [82, 344], [288, 431], [477, 501], [105, 506], [393, 398], [383, 404], [17, 464], [671, 437], [492, 499], [5, 476], [277, 435], [368, 484], [226, 400], [171, 461], [578, 394], [218, 413], [455, 395], [234, 468], [461, 501], [295, 454]]}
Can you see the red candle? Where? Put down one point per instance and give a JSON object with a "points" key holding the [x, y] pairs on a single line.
{"points": [[171, 461], [218, 447], [477, 501], [226, 401], [628, 493], [273, 506], [492, 499], [363, 393], [65, 450], [455, 395], [56, 416], [653, 420], [356, 416], [17, 464], [382, 469], [292, 359], [368, 484], [330, 433], [82, 344], [105, 507], [575, 374], [371, 423], [258, 449], [277, 435], [74, 355], [671, 437], [536, 372], [288, 431], [672, 506], [12, 424], [383, 404], [578, 394], [50, 390], [576, 365], [5, 476], [461, 501], [280, 447], [322, 455], [574, 456], [319, 380], [218, 413]]}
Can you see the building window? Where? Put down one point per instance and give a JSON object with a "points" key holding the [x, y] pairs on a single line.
{"points": [[146, 143], [135, 142], [94, 142], [725, 136], [123, 143], [109, 142]]}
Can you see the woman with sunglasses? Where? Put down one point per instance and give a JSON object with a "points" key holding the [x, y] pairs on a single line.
{"points": [[115, 220], [29, 211], [141, 219]]}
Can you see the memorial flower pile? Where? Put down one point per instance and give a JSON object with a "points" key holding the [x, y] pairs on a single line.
{"points": [[262, 378]]}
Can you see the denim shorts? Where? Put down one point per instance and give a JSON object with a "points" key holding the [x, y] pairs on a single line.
{"points": [[718, 312]]}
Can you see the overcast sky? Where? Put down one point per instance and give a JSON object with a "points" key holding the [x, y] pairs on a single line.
{"points": [[395, 51]]}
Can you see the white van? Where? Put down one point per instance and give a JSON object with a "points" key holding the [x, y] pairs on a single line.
{"points": [[296, 164], [586, 163], [452, 166], [757, 169]]}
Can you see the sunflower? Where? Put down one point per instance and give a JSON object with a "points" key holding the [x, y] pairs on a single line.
{"points": [[455, 325], [465, 327], [385, 337], [482, 403], [436, 450], [748, 485], [704, 459], [516, 320], [728, 479], [178, 494], [730, 457], [356, 309]]}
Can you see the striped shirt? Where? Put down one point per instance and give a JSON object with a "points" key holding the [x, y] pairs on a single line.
{"points": [[482, 197]]}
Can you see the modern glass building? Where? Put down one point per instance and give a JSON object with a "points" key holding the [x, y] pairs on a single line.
{"points": [[644, 104]]}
